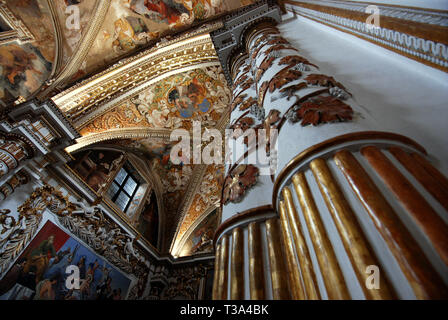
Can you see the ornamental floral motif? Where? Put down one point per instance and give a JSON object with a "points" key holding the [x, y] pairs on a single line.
{"points": [[248, 103], [238, 182], [241, 126], [282, 78], [237, 101], [295, 60], [321, 110], [264, 66], [279, 47], [323, 80], [291, 90]]}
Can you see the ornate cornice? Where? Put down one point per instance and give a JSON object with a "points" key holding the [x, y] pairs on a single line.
{"points": [[414, 33], [421, 15]]}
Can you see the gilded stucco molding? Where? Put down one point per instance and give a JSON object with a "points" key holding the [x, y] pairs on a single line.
{"points": [[162, 45], [92, 113], [116, 134], [97, 95]]}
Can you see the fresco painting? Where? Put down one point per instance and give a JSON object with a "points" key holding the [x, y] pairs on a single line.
{"points": [[134, 24], [172, 103], [24, 67], [40, 271], [23, 70]]}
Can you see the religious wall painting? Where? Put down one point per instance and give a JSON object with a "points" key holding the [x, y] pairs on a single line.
{"points": [[40, 271], [189, 99], [148, 221], [97, 167]]}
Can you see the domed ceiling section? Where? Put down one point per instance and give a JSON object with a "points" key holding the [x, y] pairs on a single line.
{"points": [[110, 30], [136, 104], [133, 24]]}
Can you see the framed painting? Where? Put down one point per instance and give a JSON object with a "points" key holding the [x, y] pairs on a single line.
{"points": [[40, 272]]}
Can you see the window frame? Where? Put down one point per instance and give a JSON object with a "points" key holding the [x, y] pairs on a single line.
{"points": [[121, 188]]}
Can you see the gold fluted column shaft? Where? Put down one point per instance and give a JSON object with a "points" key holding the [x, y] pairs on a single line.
{"points": [[276, 258], [416, 267], [308, 274], [256, 270], [355, 243], [329, 266], [422, 212], [237, 265], [223, 275], [295, 279], [215, 294]]}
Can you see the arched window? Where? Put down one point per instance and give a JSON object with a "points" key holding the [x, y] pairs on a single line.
{"points": [[123, 188]]}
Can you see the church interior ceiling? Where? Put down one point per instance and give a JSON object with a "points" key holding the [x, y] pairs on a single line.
{"points": [[132, 72]]}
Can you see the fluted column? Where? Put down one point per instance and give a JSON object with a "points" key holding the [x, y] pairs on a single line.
{"points": [[251, 260], [361, 212]]}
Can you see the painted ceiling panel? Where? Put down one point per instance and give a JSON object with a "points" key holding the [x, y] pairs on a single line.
{"points": [[200, 95], [133, 24]]}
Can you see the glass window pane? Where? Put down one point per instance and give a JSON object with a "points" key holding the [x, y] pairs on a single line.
{"points": [[130, 186], [113, 190], [121, 176], [122, 201]]}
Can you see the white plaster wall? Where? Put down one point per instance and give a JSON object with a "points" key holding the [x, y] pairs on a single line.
{"points": [[402, 95]]}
